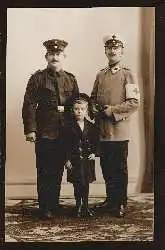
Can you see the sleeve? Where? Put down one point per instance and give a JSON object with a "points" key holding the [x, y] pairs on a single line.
{"points": [[132, 99], [30, 105], [74, 92], [66, 141], [93, 96], [95, 141], [75, 89]]}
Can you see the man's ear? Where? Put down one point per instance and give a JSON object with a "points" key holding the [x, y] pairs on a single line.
{"points": [[122, 51], [64, 54]]}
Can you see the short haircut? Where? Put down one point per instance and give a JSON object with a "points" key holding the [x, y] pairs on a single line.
{"points": [[80, 101]]}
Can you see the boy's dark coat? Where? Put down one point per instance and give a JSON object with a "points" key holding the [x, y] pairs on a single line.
{"points": [[79, 144]]}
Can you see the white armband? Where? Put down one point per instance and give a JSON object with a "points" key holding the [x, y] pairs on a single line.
{"points": [[132, 91]]}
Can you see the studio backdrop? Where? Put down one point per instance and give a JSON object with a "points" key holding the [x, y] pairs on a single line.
{"points": [[83, 29]]}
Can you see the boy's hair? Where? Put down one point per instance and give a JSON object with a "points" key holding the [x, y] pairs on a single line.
{"points": [[80, 101], [80, 98]]}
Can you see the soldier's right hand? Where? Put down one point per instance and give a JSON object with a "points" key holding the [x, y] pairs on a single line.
{"points": [[31, 137], [95, 110], [68, 165]]}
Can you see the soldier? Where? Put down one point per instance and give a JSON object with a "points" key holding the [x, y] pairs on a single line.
{"points": [[44, 113], [115, 96]]}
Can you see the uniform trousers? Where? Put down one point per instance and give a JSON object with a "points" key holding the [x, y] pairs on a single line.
{"points": [[113, 161], [50, 166]]}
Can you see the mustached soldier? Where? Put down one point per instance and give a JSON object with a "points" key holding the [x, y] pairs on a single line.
{"points": [[43, 113], [115, 96]]}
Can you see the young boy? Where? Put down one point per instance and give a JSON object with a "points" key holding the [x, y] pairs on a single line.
{"points": [[80, 139]]}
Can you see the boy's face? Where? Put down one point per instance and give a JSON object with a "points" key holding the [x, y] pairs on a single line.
{"points": [[80, 110], [114, 54]]}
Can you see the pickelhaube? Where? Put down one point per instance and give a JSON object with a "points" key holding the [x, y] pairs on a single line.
{"points": [[55, 45], [112, 41]]}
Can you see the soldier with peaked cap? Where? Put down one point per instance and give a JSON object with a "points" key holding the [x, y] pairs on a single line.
{"points": [[115, 96], [44, 113]]}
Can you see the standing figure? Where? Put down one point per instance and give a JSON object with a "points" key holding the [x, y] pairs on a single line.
{"points": [[81, 142], [44, 113], [115, 96]]}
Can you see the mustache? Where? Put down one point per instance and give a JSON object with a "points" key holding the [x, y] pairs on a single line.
{"points": [[112, 54], [54, 60]]}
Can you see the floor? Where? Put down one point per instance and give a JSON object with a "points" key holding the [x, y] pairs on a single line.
{"points": [[23, 225]]}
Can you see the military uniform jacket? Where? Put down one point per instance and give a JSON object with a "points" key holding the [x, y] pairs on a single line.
{"points": [[78, 146], [117, 88], [44, 93]]}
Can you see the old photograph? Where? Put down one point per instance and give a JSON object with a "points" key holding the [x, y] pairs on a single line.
{"points": [[80, 87]]}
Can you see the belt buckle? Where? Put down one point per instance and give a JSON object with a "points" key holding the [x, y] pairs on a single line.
{"points": [[60, 108]]}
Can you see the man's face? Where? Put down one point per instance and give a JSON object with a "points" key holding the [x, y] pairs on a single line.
{"points": [[80, 110], [114, 54], [55, 59]]}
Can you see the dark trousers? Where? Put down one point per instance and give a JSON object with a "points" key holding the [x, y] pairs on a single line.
{"points": [[113, 162], [81, 193], [50, 167]]}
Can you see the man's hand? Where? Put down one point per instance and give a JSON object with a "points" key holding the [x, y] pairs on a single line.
{"points": [[68, 165], [91, 157], [31, 137], [108, 110]]}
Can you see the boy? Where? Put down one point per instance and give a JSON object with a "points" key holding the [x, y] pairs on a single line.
{"points": [[80, 139]]}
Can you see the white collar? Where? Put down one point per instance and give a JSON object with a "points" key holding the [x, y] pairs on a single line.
{"points": [[81, 124]]}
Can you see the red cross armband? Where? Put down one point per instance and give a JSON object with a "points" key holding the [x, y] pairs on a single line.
{"points": [[132, 91]]}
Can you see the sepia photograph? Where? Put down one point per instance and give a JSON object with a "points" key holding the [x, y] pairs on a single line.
{"points": [[80, 91]]}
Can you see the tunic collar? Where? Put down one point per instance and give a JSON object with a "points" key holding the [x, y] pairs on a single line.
{"points": [[114, 68], [51, 72]]}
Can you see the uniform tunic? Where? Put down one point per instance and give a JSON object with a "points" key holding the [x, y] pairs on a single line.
{"points": [[45, 91], [110, 89]]}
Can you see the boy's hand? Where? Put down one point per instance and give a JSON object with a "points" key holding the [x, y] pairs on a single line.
{"points": [[91, 157], [31, 137], [68, 165]]}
